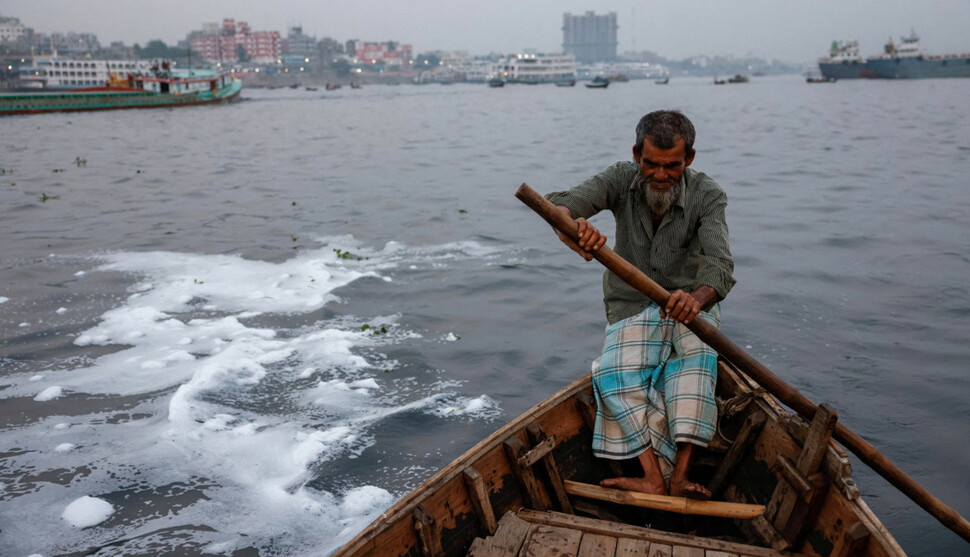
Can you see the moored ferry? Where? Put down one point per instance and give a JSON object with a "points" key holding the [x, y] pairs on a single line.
{"points": [[534, 69], [158, 86]]}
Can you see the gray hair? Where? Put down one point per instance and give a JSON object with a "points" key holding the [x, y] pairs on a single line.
{"points": [[663, 127]]}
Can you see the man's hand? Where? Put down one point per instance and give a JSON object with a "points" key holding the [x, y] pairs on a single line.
{"points": [[590, 239], [683, 307]]}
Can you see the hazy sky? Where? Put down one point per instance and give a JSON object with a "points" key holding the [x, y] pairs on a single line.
{"points": [[789, 30]]}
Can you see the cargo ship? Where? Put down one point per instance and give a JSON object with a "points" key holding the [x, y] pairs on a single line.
{"points": [[905, 60]]}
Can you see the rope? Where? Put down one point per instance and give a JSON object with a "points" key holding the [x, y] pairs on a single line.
{"points": [[732, 406]]}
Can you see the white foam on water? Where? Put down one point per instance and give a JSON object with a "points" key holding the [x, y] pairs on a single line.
{"points": [[87, 511], [234, 407]]}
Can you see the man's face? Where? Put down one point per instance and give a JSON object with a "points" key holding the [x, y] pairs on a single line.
{"points": [[662, 168]]}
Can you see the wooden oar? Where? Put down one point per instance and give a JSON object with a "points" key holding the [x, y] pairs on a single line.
{"points": [[668, 503], [731, 352]]}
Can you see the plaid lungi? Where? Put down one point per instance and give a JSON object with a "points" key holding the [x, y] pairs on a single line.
{"points": [[654, 387]]}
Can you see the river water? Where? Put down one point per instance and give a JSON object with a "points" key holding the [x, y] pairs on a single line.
{"points": [[248, 329]]}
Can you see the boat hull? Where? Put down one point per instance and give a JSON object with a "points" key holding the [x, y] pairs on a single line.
{"points": [[846, 70], [920, 67], [108, 99], [461, 504]]}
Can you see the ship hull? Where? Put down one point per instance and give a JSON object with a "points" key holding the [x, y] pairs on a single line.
{"points": [[920, 67], [846, 70], [107, 99]]}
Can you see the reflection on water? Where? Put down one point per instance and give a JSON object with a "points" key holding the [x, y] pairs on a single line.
{"points": [[256, 325]]}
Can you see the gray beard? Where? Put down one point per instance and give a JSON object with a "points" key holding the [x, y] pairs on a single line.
{"points": [[659, 201]]}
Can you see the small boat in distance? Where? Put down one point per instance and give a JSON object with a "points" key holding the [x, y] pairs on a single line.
{"points": [[599, 82], [738, 79], [568, 83], [664, 81], [332, 87], [159, 87], [820, 79], [496, 82]]}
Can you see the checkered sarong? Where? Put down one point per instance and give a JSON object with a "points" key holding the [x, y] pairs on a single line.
{"points": [[654, 387]]}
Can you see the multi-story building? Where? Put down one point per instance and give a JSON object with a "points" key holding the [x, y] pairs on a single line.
{"points": [[590, 37], [11, 30], [392, 55], [234, 41], [298, 44]]}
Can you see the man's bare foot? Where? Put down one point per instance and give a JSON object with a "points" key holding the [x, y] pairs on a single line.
{"points": [[643, 485], [689, 490]]}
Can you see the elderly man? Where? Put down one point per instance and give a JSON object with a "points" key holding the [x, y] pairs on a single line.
{"points": [[654, 382]]}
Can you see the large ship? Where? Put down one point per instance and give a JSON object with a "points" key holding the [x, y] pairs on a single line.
{"points": [[536, 68], [907, 60], [159, 86], [844, 62]]}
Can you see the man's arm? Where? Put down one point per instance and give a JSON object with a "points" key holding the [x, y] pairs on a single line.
{"points": [[590, 239]]}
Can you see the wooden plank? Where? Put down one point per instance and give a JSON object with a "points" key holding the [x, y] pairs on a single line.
{"points": [[537, 452], [853, 541], [629, 547], [720, 554], [549, 541], [749, 431], [783, 499], [682, 551], [789, 472], [596, 545], [619, 530], [508, 537], [538, 436], [660, 550], [667, 503], [514, 448], [767, 532], [429, 533], [480, 500]]}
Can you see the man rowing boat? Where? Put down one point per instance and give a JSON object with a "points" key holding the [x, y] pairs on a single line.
{"points": [[654, 382]]}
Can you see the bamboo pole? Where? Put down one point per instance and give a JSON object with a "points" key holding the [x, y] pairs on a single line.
{"points": [[667, 503], [787, 394]]}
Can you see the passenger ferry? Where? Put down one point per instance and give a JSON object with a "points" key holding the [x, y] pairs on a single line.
{"points": [[534, 69], [126, 86]]}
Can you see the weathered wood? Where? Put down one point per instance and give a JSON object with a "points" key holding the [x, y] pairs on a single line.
{"points": [[507, 540], [667, 503], [767, 532], [595, 545], [429, 533], [660, 550], [629, 547], [681, 551], [619, 530], [538, 436], [853, 541], [515, 448], [790, 473], [537, 452], [783, 499], [749, 431], [719, 554], [804, 511], [549, 541], [733, 353], [480, 500]]}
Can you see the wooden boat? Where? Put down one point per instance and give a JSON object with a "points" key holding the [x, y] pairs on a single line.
{"points": [[155, 89], [782, 487], [598, 83]]}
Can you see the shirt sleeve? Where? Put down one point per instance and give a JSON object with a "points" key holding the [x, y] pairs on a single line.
{"points": [[594, 194], [716, 266]]}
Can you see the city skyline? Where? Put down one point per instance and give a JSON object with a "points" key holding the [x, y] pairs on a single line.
{"points": [[794, 31]]}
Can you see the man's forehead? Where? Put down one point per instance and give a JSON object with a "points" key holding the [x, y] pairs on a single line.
{"points": [[677, 150]]}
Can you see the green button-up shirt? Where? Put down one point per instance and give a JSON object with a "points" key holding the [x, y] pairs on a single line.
{"points": [[689, 249]]}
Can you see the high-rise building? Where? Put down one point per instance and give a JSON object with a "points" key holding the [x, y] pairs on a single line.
{"points": [[235, 41], [590, 37]]}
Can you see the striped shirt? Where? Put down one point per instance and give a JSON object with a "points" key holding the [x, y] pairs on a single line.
{"points": [[689, 249]]}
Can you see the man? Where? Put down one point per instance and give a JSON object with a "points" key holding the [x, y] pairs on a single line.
{"points": [[654, 382]]}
